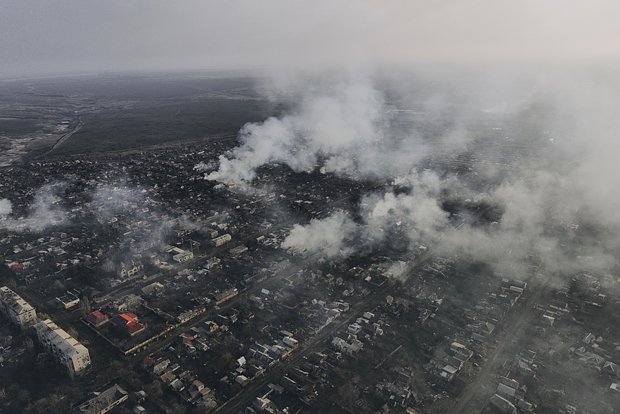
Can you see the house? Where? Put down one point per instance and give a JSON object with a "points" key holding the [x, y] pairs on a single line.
{"points": [[349, 348], [221, 240], [177, 385], [97, 318], [242, 380], [225, 295], [448, 372], [167, 377], [507, 387], [611, 368], [461, 351], [291, 342], [161, 366], [502, 405], [154, 289], [354, 328], [16, 267], [198, 389]]}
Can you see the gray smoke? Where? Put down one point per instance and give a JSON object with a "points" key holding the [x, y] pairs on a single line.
{"points": [[558, 198], [45, 211], [110, 200], [329, 238], [6, 207], [134, 206], [343, 126]]}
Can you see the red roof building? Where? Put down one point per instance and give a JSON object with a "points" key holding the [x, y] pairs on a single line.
{"points": [[128, 322], [16, 266], [134, 328], [129, 317], [97, 318]]}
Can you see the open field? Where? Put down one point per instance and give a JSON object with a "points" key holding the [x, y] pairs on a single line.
{"points": [[79, 115]]}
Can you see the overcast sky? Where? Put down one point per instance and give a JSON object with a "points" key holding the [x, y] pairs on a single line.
{"points": [[63, 36]]}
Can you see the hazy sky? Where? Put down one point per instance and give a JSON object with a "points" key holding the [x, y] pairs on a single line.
{"points": [[59, 36]]}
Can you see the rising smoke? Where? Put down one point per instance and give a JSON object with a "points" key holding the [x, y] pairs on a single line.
{"points": [[551, 177], [45, 211], [330, 237], [6, 207], [340, 126]]}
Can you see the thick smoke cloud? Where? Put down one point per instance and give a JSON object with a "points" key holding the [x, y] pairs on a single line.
{"points": [[6, 207], [328, 238], [45, 211], [340, 126], [416, 217], [556, 193], [107, 203]]}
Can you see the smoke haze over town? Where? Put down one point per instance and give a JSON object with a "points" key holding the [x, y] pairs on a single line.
{"points": [[309, 207]]}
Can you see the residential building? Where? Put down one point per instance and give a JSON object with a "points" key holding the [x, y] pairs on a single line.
{"points": [[225, 295], [128, 322], [104, 401], [67, 350], [221, 240], [20, 312], [97, 318]]}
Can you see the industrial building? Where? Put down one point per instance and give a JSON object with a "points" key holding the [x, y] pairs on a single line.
{"points": [[67, 350], [20, 312]]}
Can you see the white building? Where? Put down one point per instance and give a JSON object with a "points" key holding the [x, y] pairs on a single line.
{"points": [[72, 354], [184, 256], [16, 309], [223, 239]]}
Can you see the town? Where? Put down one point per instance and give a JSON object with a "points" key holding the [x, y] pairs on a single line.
{"points": [[133, 284]]}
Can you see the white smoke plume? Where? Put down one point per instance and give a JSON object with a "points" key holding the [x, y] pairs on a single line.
{"points": [[327, 238], [6, 207], [361, 126], [45, 211], [416, 216], [339, 126], [555, 186]]}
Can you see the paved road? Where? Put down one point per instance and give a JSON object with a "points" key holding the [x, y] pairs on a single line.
{"points": [[64, 137], [475, 396]]}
